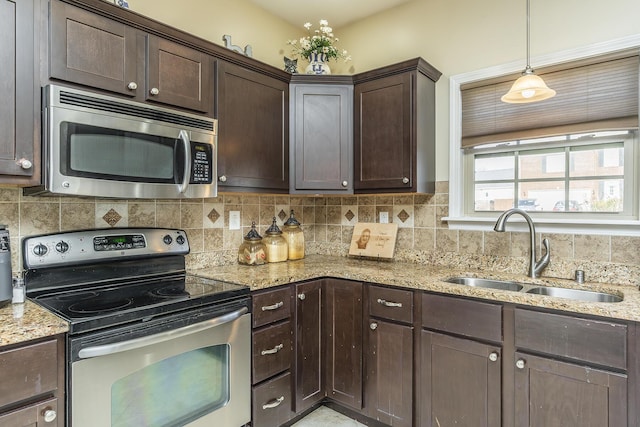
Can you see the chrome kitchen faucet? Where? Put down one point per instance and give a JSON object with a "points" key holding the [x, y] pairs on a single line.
{"points": [[535, 267]]}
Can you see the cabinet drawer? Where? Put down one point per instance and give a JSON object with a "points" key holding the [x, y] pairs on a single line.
{"points": [[603, 343], [34, 415], [272, 402], [271, 306], [28, 372], [392, 304], [463, 317], [271, 351]]}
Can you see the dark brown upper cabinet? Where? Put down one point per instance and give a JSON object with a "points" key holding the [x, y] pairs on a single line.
{"points": [[92, 50], [321, 134], [394, 122], [19, 124], [253, 141]]}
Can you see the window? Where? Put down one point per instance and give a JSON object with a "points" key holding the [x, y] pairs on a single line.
{"points": [[572, 161]]}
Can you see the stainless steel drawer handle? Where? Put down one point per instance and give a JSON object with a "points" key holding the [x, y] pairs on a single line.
{"points": [[273, 307], [273, 350], [389, 303], [273, 404]]}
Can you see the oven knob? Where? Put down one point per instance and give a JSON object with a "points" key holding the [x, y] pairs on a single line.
{"points": [[40, 249], [62, 246], [180, 240], [167, 239]]}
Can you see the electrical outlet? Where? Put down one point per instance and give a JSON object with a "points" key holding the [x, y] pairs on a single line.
{"points": [[384, 217], [234, 220]]}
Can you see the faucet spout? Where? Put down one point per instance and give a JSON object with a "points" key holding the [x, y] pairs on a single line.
{"points": [[535, 267]]}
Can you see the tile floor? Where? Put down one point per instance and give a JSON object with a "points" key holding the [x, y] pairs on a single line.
{"points": [[323, 417]]}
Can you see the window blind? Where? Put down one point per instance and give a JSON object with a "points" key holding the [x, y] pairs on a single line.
{"points": [[594, 94]]}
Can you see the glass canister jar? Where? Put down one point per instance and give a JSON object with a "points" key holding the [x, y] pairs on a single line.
{"points": [[277, 247], [252, 251], [295, 237]]}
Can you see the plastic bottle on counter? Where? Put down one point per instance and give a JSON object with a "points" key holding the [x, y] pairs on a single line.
{"points": [[295, 237], [276, 244], [19, 290]]}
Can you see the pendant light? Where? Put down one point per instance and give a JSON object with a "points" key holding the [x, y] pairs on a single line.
{"points": [[529, 87]]}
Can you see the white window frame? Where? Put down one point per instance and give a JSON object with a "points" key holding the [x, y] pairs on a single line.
{"points": [[457, 191]]}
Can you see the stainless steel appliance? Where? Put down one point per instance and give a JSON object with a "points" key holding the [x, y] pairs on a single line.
{"points": [[97, 145], [149, 345], [6, 288]]}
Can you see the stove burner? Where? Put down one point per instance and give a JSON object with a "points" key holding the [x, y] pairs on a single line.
{"points": [[76, 296], [99, 306], [171, 291]]}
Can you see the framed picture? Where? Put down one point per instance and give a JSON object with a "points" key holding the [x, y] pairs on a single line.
{"points": [[373, 240]]}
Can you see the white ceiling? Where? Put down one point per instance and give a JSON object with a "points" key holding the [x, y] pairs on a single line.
{"points": [[337, 12]]}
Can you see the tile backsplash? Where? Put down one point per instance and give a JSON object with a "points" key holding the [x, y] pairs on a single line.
{"points": [[327, 221]]}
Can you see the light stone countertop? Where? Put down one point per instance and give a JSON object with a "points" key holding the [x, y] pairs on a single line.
{"points": [[28, 321], [427, 278]]}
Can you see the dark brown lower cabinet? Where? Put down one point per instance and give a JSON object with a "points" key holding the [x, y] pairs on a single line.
{"points": [[389, 373], [461, 382], [39, 415], [344, 342], [309, 381], [551, 393]]}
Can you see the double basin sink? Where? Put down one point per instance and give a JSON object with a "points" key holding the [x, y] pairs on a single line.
{"points": [[574, 294]]}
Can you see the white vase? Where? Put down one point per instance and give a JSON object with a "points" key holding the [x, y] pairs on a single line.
{"points": [[318, 64]]}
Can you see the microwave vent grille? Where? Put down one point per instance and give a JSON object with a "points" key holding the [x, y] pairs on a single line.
{"points": [[101, 104]]}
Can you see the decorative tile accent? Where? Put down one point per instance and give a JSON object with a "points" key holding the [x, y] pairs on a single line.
{"points": [[349, 215], [213, 215], [282, 215], [112, 217], [403, 215]]}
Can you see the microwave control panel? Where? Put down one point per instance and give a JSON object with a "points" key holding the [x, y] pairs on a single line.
{"points": [[202, 161]]}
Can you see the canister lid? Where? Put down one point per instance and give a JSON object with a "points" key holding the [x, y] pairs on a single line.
{"points": [[274, 229], [292, 221], [253, 233]]}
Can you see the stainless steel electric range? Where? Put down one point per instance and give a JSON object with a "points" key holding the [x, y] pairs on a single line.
{"points": [[149, 345]]}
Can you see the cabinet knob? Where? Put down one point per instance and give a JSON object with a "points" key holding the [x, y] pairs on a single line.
{"points": [[222, 178], [493, 356], [154, 91], [405, 180], [25, 163], [49, 415], [345, 184], [520, 364], [132, 86], [373, 326], [301, 297]]}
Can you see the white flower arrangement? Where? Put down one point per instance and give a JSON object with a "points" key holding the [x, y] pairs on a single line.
{"points": [[318, 41]]}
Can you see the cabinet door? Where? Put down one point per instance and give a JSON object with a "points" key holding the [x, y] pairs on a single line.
{"points": [[92, 50], [44, 414], [460, 382], [253, 141], [322, 149], [551, 393], [178, 75], [384, 140], [344, 341], [271, 402], [309, 382], [18, 123], [389, 377]]}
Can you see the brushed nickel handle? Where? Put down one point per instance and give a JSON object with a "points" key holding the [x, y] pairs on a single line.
{"points": [[154, 91], [373, 326], [25, 164], [273, 350], [493, 356], [273, 404], [520, 364], [222, 178], [273, 307], [301, 297], [389, 303], [132, 86], [49, 415], [405, 180]]}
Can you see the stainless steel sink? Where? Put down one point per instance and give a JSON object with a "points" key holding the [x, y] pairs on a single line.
{"points": [[486, 283], [575, 294]]}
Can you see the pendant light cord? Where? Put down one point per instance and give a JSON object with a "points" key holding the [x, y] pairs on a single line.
{"points": [[528, 35]]}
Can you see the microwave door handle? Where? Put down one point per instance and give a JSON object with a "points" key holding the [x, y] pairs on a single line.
{"points": [[184, 137], [118, 347]]}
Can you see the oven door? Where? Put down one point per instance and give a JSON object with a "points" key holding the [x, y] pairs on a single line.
{"points": [[193, 375]]}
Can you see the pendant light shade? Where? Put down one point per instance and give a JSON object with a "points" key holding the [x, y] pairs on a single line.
{"points": [[529, 87]]}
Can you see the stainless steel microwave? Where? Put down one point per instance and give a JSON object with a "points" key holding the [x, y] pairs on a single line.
{"points": [[98, 145]]}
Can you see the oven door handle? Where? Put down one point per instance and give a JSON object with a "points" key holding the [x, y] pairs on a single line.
{"points": [[186, 142], [103, 350]]}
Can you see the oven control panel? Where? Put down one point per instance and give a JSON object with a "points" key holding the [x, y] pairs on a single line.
{"points": [[97, 245]]}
